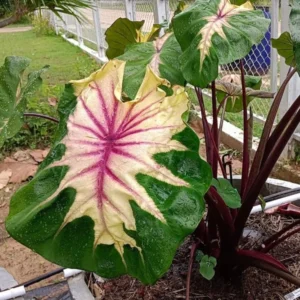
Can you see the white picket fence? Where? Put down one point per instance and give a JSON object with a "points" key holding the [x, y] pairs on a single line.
{"points": [[90, 37]]}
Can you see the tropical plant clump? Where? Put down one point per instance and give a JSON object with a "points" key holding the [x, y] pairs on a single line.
{"points": [[18, 9], [124, 184]]}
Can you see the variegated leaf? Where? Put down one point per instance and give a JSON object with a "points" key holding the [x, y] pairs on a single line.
{"points": [[215, 32], [162, 56], [123, 184]]}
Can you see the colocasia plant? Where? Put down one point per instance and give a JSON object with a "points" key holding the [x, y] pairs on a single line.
{"points": [[124, 183]]}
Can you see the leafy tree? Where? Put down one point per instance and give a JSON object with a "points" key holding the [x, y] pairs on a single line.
{"points": [[20, 8]]}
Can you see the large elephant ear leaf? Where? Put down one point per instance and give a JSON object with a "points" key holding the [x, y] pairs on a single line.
{"points": [[295, 34], [13, 94], [162, 56], [124, 32], [229, 90], [124, 185], [285, 48], [216, 32]]}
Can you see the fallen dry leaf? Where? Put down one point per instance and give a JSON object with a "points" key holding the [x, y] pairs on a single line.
{"points": [[52, 101], [45, 152], [37, 155], [20, 171], [5, 175], [23, 156], [288, 209]]}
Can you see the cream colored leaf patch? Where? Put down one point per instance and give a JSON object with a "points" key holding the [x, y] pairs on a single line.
{"points": [[109, 142], [216, 23]]}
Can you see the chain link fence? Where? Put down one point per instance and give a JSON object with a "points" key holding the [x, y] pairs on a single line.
{"points": [[105, 12]]}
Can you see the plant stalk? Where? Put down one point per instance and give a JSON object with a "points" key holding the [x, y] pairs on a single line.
{"points": [[261, 150], [280, 128], [215, 132], [254, 190], [277, 235], [207, 133], [280, 240], [46, 117], [190, 269], [246, 157], [268, 266]]}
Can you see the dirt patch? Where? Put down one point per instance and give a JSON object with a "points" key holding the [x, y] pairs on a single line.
{"points": [[18, 260], [15, 29]]}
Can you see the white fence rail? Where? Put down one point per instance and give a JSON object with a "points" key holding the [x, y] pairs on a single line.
{"points": [[262, 61]]}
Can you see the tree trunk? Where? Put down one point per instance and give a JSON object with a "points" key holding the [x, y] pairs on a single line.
{"points": [[10, 20]]}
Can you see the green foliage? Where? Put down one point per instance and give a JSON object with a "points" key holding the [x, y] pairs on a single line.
{"points": [[66, 62], [161, 55], [150, 211], [295, 33], [207, 267], [124, 32], [285, 48], [208, 40], [14, 94], [42, 25], [229, 194], [230, 87], [36, 132]]}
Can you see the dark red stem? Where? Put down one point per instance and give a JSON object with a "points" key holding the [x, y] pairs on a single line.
{"points": [[41, 116], [189, 274], [215, 132], [267, 263], [246, 159], [254, 190], [280, 240], [207, 133], [277, 235], [261, 150], [280, 128]]}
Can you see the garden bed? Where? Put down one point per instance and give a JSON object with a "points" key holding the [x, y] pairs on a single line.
{"points": [[254, 284]]}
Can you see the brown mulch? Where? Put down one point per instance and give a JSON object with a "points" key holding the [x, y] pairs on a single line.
{"points": [[254, 284]]}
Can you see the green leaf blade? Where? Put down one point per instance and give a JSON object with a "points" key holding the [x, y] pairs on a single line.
{"points": [[228, 193], [285, 48], [120, 189], [207, 266], [13, 94], [208, 40], [295, 34]]}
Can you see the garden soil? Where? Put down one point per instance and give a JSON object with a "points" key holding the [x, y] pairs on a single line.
{"points": [[254, 284]]}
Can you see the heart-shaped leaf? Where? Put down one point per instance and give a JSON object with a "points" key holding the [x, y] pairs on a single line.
{"points": [[295, 33], [207, 266], [123, 184], [229, 194], [285, 48], [13, 94], [162, 56], [124, 32], [229, 88], [216, 32]]}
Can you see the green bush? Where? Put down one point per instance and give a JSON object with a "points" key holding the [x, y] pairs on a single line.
{"points": [[36, 133], [42, 26]]}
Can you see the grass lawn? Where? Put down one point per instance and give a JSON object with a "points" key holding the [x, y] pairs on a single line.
{"points": [[66, 62]]}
